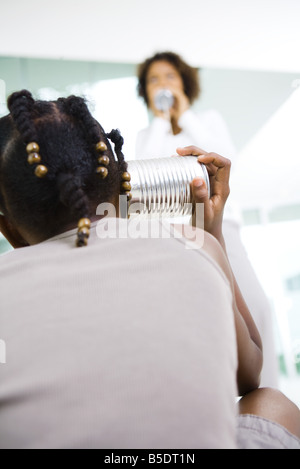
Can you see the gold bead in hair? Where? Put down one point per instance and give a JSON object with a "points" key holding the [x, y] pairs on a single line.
{"points": [[32, 147], [83, 232], [103, 160], [101, 147], [84, 223], [126, 186], [40, 171], [34, 158], [102, 172], [126, 176]]}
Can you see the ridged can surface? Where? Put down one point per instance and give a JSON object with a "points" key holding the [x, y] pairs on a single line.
{"points": [[162, 185]]}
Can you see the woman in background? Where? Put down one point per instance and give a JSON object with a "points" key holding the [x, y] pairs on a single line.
{"points": [[180, 126]]}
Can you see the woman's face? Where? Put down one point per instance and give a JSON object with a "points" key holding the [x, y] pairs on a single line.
{"points": [[162, 74]]}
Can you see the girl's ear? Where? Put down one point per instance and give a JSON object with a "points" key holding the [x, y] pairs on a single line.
{"points": [[11, 233]]}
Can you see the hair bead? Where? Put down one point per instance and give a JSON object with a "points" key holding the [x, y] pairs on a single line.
{"points": [[40, 171], [102, 172], [104, 160], [126, 176], [32, 147], [126, 186], [34, 158], [101, 147], [84, 223], [83, 232]]}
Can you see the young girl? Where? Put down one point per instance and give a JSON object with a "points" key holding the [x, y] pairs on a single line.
{"points": [[116, 342]]}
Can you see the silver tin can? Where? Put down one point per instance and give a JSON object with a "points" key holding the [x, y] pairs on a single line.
{"points": [[164, 100], [162, 185]]}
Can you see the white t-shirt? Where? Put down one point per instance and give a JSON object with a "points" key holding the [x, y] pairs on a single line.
{"points": [[126, 343], [206, 130]]}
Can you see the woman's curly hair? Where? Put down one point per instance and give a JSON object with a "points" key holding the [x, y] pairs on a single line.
{"points": [[189, 75]]}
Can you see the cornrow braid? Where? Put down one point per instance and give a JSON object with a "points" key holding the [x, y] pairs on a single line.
{"points": [[73, 197], [20, 105], [125, 178], [72, 194], [76, 107], [116, 137]]}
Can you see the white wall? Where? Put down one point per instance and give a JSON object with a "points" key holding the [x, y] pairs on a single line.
{"points": [[242, 34], [245, 98]]}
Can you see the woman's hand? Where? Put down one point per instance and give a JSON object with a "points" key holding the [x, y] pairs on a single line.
{"points": [[218, 169], [156, 112], [180, 106]]}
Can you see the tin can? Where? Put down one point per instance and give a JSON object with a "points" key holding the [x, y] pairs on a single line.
{"points": [[164, 100], [162, 185]]}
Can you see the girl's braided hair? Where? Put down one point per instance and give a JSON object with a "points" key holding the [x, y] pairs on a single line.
{"points": [[67, 135]]}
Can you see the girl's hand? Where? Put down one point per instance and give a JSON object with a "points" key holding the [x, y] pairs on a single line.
{"points": [[218, 169]]}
